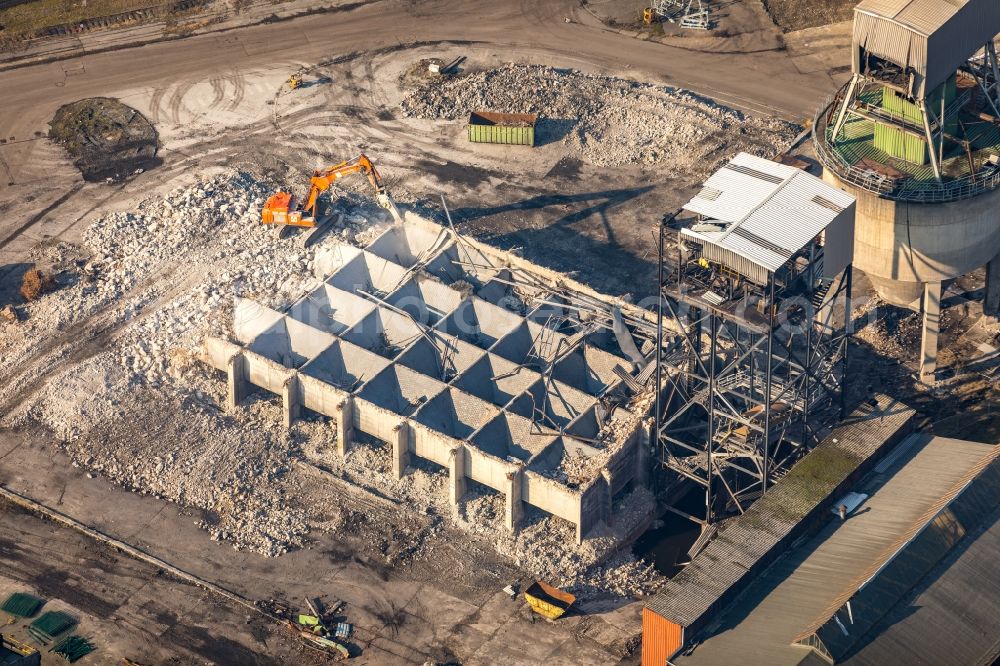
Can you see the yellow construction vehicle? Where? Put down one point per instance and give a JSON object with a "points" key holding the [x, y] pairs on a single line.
{"points": [[294, 81], [281, 207]]}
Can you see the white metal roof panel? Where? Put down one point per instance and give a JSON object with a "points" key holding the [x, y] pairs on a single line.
{"points": [[767, 222], [732, 192]]}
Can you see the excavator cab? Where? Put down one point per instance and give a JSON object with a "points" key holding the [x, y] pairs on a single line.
{"points": [[279, 209]]}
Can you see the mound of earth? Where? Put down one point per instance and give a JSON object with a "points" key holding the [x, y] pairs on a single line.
{"points": [[791, 15], [105, 138], [610, 121]]}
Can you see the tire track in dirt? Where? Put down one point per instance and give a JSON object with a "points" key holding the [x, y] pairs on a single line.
{"points": [[155, 100], [177, 100], [218, 91], [239, 90], [90, 336]]}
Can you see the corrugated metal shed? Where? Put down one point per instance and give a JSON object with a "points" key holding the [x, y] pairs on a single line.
{"points": [[719, 571], [763, 623], [934, 37], [769, 211]]}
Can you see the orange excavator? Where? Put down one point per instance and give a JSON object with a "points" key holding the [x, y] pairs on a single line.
{"points": [[281, 207]]}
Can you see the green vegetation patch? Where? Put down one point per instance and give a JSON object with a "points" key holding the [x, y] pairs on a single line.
{"points": [[25, 20]]}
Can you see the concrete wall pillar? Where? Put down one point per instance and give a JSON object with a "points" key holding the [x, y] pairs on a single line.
{"points": [[290, 402], [608, 499], [931, 330], [237, 385], [457, 484], [643, 453], [515, 506], [400, 449], [345, 426], [991, 302]]}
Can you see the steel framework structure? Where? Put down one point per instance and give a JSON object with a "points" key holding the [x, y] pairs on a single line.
{"points": [[754, 374], [984, 69], [688, 13]]}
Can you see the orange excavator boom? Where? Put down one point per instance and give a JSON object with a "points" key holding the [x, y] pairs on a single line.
{"points": [[280, 208]]}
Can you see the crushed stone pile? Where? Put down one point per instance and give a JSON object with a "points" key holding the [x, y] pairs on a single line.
{"points": [[611, 121], [143, 412]]}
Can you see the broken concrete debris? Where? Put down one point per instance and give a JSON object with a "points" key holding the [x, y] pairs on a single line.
{"points": [[245, 477], [611, 121]]}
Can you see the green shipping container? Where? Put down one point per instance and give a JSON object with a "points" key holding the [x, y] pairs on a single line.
{"points": [[507, 128]]}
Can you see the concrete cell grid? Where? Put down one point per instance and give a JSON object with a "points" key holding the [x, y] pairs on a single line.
{"points": [[369, 273], [495, 380], [440, 356], [453, 352], [345, 366], [330, 309]]}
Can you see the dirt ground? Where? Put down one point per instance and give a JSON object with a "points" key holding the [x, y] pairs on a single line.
{"points": [[792, 15], [418, 588]]}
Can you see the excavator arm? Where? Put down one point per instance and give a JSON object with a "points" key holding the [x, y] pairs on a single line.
{"points": [[279, 209]]}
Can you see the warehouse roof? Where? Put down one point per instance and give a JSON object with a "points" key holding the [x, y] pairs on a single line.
{"points": [[933, 38], [904, 497], [955, 600], [720, 571], [763, 211]]}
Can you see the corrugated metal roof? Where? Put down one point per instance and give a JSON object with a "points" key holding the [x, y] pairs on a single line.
{"points": [[955, 600], [771, 210], [765, 620], [722, 566], [933, 37], [921, 16]]}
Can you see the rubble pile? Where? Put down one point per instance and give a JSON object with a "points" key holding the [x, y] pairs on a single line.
{"points": [[609, 120], [145, 414], [167, 272], [546, 545]]}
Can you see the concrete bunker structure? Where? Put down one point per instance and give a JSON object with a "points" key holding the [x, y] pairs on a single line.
{"points": [[456, 353], [915, 138]]}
